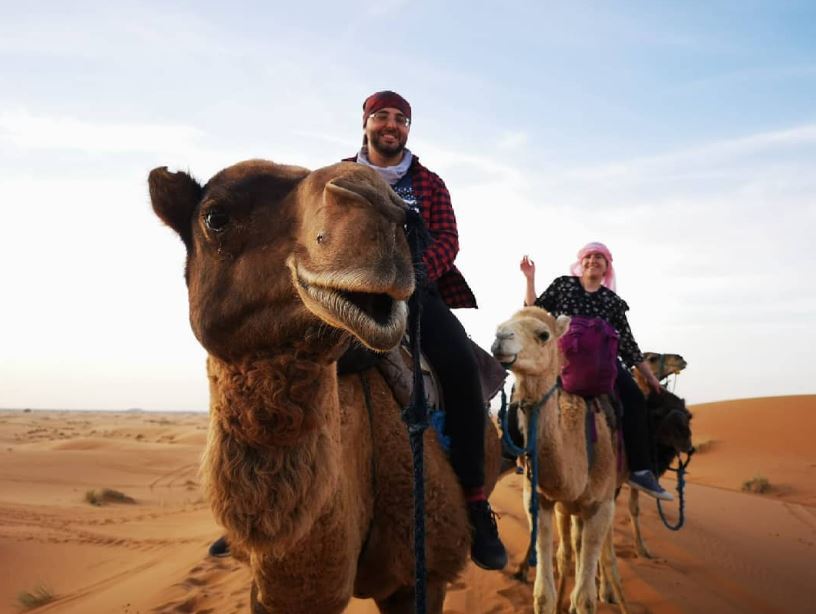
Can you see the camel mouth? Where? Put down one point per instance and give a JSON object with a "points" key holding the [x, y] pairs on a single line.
{"points": [[506, 360], [377, 319], [377, 306]]}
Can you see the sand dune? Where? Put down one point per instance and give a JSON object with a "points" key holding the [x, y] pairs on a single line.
{"points": [[738, 553]]}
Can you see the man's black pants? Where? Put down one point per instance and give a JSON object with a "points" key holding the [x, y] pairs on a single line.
{"points": [[445, 343]]}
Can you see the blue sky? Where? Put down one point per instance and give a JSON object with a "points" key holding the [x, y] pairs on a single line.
{"points": [[681, 134]]}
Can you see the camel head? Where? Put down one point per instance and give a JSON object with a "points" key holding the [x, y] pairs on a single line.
{"points": [[663, 365], [526, 343], [672, 421], [278, 256]]}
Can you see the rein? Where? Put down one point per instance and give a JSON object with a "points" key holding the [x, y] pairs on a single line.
{"points": [[415, 415], [530, 452], [681, 484]]}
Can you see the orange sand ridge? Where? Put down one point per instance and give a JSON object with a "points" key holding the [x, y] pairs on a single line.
{"points": [[738, 553]]}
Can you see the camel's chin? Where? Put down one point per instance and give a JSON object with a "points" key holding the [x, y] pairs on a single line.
{"points": [[377, 320], [506, 360]]}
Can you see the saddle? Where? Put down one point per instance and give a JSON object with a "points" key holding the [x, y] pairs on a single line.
{"points": [[396, 366]]}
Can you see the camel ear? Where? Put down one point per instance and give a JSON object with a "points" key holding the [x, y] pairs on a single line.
{"points": [[174, 197], [562, 323]]}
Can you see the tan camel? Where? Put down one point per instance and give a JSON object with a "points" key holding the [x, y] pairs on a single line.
{"points": [[662, 365], [285, 267], [526, 344]]}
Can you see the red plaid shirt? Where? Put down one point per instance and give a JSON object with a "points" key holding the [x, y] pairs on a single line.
{"points": [[437, 212]]}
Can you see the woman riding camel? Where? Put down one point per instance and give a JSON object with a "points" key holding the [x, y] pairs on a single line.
{"points": [[590, 292]]}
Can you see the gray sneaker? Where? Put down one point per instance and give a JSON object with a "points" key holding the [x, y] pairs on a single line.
{"points": [[645, 481]]}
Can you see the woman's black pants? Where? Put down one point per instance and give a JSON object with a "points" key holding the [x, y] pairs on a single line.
{"points": [[635, 421]]}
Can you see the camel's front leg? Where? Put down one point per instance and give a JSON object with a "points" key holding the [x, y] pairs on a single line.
{"points": [[297, 596], [404, 600], [595, 530], [544, 595], [316, 577], [524, 566], [611, 585], [564, 554], [634, 516], [576, 530]]}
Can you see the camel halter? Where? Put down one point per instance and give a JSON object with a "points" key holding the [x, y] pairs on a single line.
{"points": [[530, 452]]}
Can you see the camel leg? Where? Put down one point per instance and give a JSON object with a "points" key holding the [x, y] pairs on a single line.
{"points": [[524, 566], [634, 516], [563, 556], [605, 592], [544, 595], [403, 600], [276, 590], [610, 577], [596, 528], [577, 529]]}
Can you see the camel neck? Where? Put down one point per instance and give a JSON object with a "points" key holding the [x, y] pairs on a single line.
{"points": [[532, 389], [278, 400]]}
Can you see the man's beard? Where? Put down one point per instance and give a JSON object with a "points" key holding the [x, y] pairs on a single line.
{"points": [[387, 150]]}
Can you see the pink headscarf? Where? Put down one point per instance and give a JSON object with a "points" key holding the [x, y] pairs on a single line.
{"points": [[596, 248]]}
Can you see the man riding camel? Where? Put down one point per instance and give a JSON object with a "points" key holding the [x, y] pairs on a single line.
{"points": [[386, 125]]}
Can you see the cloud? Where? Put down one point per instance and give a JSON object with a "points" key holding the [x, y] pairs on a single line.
{"points": [[26, 130], [705, 158], [513, 140], [708, 241]]}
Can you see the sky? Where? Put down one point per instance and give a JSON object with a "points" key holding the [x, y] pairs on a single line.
{"points": [[681, 134]]}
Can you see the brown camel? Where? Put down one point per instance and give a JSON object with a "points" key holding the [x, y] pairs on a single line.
{"points": [[313, 483], [567, 481], [671, 429]]}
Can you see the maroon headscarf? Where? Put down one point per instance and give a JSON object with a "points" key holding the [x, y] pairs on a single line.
{"points": [[382, 100]]}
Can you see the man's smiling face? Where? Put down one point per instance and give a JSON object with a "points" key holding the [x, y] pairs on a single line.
{"points": [[387, 131]]}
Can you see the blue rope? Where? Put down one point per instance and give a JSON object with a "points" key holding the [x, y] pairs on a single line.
{"points": [[681, 485], [530, 451]]}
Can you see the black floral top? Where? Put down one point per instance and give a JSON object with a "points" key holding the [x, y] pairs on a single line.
{"points": [[566, 296]]}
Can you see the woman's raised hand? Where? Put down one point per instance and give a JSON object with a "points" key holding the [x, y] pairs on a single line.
{"points": [[527, 267]]}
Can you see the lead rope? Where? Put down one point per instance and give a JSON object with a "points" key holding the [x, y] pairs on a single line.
{"points": [[530, 451], [415, 415], [681, 484]]}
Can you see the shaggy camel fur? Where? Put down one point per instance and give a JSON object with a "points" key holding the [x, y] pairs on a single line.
{"points": [[285, 267], [567, 482]]}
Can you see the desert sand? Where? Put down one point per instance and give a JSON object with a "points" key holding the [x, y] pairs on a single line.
{"points": [[739, 552]]}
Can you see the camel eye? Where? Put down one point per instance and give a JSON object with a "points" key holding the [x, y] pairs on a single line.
{"points": [[216, 219], [543, 336]]}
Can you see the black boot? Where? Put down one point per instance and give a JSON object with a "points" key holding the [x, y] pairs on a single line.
{"points": [[487, 551]]}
